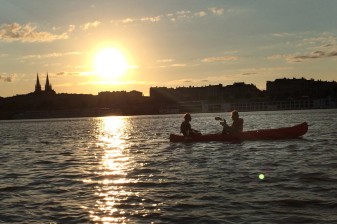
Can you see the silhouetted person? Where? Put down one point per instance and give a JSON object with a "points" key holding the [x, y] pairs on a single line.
{"points": [[185, 127], [237, 125]]}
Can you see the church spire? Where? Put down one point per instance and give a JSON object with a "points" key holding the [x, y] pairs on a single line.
{"points": [[47, 86], [37, 85]]}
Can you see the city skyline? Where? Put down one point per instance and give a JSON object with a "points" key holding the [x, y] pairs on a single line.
{"points": [[175, 43], [37, 87]]}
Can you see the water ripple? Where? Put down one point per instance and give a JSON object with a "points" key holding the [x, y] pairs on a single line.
{"points": [[124, 169]]}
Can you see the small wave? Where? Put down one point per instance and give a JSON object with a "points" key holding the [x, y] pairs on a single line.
{"points": [[44, 162], [11, 176], [316, 177], [298, 202], [12, 188], [299, 219]]}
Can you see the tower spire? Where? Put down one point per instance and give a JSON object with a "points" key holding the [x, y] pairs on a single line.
{"points": [[37, 85], [48, 87]]}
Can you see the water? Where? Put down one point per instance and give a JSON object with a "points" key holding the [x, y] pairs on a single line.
{"points": [[124, 169]]}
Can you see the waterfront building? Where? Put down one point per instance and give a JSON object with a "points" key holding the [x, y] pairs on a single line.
{"points": [[195, 106], [299, 88], [240, 90], [191, 93], [294, 104]]}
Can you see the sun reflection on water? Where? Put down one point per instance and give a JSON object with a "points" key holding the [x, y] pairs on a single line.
{"points": [[111, 175]]}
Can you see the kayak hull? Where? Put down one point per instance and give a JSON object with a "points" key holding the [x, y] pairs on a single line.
{"points": [[263, 134]]}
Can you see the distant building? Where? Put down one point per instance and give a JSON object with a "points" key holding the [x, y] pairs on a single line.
{"points": [[48, 87], [211, 93], [240, 90], [112, 99], [281, 94], [189, 99], [299, 88], [191, 93]]}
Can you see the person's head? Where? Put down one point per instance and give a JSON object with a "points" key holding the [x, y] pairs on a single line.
{"points": [[187, 117], [235, 114]]}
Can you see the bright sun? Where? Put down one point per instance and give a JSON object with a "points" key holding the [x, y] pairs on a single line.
{"points": [[110, 63]]}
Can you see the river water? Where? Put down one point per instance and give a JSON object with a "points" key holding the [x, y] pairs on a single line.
{"points": [[124, 169]]}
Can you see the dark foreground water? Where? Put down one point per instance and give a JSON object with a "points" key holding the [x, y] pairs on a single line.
{"points": [[124, 169]]}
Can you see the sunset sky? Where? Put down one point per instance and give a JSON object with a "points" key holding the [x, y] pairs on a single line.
{"points": [[168, 43]]}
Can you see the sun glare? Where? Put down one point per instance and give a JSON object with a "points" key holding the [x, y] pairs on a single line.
{"points": [[110, 63]]}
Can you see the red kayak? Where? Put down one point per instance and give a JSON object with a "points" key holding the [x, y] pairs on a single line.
{"points": [[263, 134]]}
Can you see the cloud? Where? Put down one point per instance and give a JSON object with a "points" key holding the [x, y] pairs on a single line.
{"points": [[200, 14], [217, 11], [284, 34], [302, 57], [70, 73], [219, 59], [27, 33], [7, 78], [67, 73], [173, 17], [167, 60], [51, 55], [91, 25], [151, 19], [248, 73], [332, 54], [71, 28], [312, 55], [306, 42], [60, 73], [251, 73], [316, 43], [183, 15], [127, 20], [277, 56], [324, 39], [165, 63], [178, 65]]}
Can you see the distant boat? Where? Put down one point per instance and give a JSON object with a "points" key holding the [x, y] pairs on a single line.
{"points": [[262, 134]]}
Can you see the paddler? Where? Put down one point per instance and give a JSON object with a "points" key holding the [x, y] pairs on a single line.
{"points": [[185, 127], [237, 125]]}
